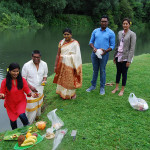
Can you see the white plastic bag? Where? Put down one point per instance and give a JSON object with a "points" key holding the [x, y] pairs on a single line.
{"points": [[98, 53], [58, 138], [49, 133], [137, 103], [57, 123]]}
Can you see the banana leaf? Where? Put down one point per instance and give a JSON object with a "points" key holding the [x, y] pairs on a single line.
{"points": [[14, 134], [39, 139], [11, 136]]}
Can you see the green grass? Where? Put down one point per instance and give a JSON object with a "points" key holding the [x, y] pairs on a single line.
{"points": [[102, 122]]}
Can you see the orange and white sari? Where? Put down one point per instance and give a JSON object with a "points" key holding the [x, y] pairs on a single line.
{"points": [[68, 69]]}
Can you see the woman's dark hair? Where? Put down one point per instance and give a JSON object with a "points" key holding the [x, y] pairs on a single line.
{"points": [[127, 19], [36, 52], [67, 30], [11, 67]]}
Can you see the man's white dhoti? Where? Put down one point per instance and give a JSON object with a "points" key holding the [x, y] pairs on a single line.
{"points": [[34, 77], [33, 107]]}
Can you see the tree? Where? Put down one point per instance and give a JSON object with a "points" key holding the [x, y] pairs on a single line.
{"points": [[74, 7], [125, 11], [45, 9], [147, 12]]}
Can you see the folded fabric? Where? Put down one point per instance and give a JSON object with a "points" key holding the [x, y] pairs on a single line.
{"points": [[98, 53]]}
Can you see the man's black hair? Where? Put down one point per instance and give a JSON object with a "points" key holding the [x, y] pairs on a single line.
{"points": [[105, 16], [36, 52]]}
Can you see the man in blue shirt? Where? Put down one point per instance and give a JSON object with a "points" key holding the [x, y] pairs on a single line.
{"points": [[101, 38]]}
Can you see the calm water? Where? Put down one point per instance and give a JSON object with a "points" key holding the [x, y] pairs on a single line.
{"points": [[17, 45]]}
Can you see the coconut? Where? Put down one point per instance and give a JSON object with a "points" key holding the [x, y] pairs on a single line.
{"points": [[21, 139]]}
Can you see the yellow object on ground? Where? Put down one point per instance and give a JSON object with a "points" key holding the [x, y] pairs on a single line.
{"points": [[28, 134]]}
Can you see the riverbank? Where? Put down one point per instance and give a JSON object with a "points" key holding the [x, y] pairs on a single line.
{"points": [[102, 122]]}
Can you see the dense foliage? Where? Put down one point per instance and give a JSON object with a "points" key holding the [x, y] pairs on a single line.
{"points": [[29, 12], [14, 15]]}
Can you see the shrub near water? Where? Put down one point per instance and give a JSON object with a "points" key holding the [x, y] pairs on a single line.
{"points": [[72, 20], [13, 15]]}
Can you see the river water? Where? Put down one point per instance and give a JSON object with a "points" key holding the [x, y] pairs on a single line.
{"points": [[17, 45]]}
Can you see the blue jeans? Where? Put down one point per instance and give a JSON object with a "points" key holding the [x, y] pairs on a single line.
{"points": [[99, 64], [23, 119]]}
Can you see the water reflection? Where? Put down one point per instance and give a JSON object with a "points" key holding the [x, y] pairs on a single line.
{"points": [[17, 45], [2, 75]]}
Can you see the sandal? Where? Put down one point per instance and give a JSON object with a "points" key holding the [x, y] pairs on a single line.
{"points": [[74, 97]]}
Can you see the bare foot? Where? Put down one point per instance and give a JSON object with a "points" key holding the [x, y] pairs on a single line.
{"points": [[74, 97], [121, 93], [115, 90]]}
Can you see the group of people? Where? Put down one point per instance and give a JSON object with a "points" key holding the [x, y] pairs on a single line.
{"points": [[104, 38], [23, 93]]}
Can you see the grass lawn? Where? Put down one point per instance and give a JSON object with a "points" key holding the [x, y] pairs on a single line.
{"points": [[102, 122]]}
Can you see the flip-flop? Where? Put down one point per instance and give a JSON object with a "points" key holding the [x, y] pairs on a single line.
{"points": [[74, 97], [110, 84]]}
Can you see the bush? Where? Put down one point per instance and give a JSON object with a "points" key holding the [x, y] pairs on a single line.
{"points": [[18, 22], [13, 15], [71, 20]]}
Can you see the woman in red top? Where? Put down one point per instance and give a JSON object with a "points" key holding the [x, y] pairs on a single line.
{"points": [[12, 90]]}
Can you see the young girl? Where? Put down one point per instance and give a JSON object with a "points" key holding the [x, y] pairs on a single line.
{"points": [[12, 90]]}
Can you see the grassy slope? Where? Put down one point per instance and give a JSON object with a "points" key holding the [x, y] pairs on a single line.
{"points": [[102, 122]]}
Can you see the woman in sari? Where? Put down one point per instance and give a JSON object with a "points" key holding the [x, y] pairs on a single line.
{"points": [[68, 66]]}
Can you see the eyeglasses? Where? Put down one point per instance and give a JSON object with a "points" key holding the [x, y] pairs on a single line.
{"points": [[104, 21], [36, 57], [66, 34]]}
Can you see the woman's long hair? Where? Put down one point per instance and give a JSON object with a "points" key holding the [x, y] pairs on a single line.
{"points": [[9, 78]]}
